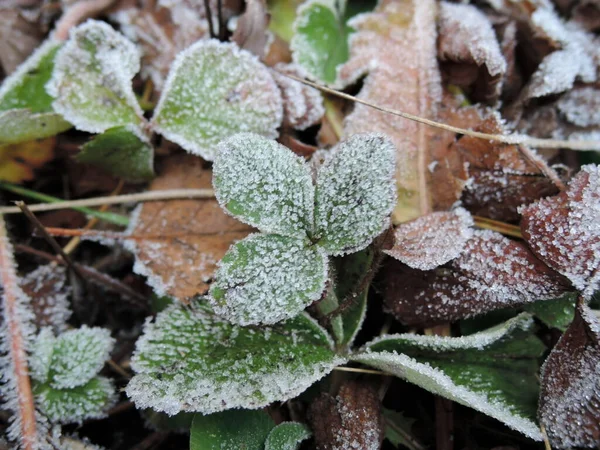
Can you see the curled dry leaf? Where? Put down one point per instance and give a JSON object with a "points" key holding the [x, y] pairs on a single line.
{"points": [[570, 385], [251, 30], [564, 231], [19, 38], [493, 272], [468, 39], [432, 240], [185, 238], [352, 419]]}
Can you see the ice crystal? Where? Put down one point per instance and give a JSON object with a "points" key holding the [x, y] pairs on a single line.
{"points": [[268, 278], [581, 106], [91, 82], [264, 184], [432, 240], [355, 193], [214, 90], [191, 360]]}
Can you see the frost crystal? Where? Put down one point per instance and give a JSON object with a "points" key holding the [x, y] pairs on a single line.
{"points": [[264, 184], [581, 106], [268, 278], [432, 240], [213, 91], [355, 193], [287, 436], [191, 360], [92, 77]]}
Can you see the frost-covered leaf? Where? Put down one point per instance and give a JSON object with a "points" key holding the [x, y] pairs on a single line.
{"points": [[86, 401], [25, 107], [467, 38], [355, 193], [557, 313], [432, 240], [410, 83], [493, 371], [570, 385], [302, 105], [264, 184], [287, 436], [191, 360], [41, 355], [492, 272], [213, 91], [91, 82], [320, 41], [188, 237], [229, 430], [581, 106], [564, 231], [264, 279], [351, 420], [78, 355], [121, 151]]}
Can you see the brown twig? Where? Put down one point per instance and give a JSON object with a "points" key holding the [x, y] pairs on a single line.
{"points": [[211, 28], [77, 13], [15, 339], [222, 27], [78, 232], [495, 225]]}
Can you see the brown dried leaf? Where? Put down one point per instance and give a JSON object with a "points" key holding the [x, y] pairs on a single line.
{"points": [[564, 231], [353, 419], [197, 233], [432, 240], [492, 272], [570, 385], [19, 38], [468, 39], [251, 29]]}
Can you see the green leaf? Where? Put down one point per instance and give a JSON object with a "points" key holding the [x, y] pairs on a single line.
{"points": [[191, 360], [87, 401], [287, 436], [355, 193], [213, 91], [92, 77], [231, 430], [20, 125], [264, 279], [320, 42], [264, 184], [122, 151], [398, 430], [557, 313], [494, 372], [41, 355]]}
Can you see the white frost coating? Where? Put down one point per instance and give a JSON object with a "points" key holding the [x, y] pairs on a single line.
{"points": [[432, 240], [213, 91], [191, 360], [437, 382], [92, 77], [476, 341], [581, 107], [264, 279], [472, 36], [79, 355], [41, 355], [15, 78], [264, 184], [355, 193], [287, 436], [302, 105]]}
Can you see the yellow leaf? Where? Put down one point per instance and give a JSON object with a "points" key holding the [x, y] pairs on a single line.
{"points": [[18, 161]]}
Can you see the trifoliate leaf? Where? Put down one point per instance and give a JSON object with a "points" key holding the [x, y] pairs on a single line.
{"points": [[86, 401], [494, 371], [355, 193], [213, 91], [91, 82], [25, 107], [320, 42], [264, 184], [121, 151], [287, 436], [191, 360], [229, 430], [79, 355], [264, 279], [41, 355]]}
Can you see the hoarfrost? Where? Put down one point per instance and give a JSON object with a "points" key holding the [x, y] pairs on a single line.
{"points": [[581, 106], [355, 193], [191, 360], [268, 278], [41, 355], [214, 90], [287, 436], [91, 82], [432, 240], [264, 184]]}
